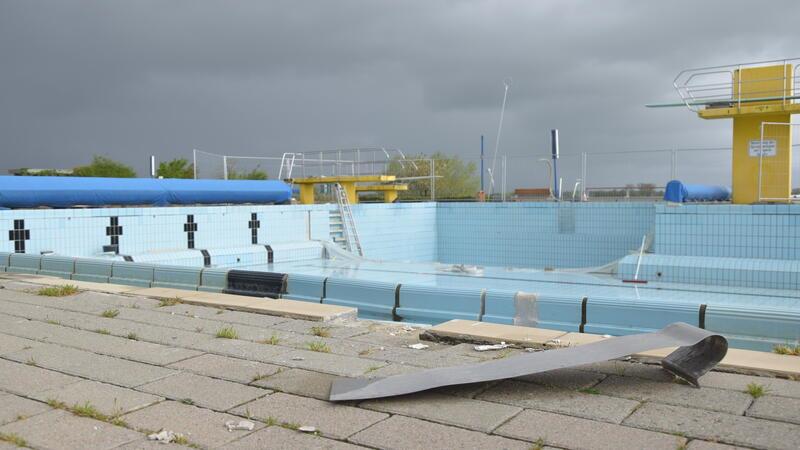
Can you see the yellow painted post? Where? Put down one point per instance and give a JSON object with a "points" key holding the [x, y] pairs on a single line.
{"points": [[350, 190], [774, 168], [307, 193], [389, 196]]}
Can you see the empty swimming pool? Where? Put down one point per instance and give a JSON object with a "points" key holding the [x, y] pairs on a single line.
{"points": [[733, 269]]}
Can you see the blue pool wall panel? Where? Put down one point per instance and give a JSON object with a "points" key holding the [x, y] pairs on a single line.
{"points": [[754, 328], [132, 274], [618, 318], [4, 258], [308, 288], [499, 306], [177, 277], [432, 305], [94, 270], [374, 299], [717, 271], [24, 263], [57, 266], [213, 280], [559, 312]]}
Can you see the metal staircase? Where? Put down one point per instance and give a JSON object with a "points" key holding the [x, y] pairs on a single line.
{"points": [[350, 233]]}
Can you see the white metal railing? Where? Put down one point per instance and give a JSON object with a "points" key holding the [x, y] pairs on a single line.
{"points": [[350, 232], [719, 86]]}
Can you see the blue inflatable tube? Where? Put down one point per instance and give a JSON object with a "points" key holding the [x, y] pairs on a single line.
{"points": [[678, 192], [64, 192]]}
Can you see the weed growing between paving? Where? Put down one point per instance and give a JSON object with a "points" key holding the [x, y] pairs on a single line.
{"points": [[63, 290], [272, 340], [321, 331], [88, 410], [110, 313], [318, 346], [102, 331], [787, 349], [14, 439], [756, 390], [168, 302], [227, 333], [132, 336]]}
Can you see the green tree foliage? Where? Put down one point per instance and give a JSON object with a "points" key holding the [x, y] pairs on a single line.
{"points": [[455, 179], [104, 167], [177, 168], [255, 174]]}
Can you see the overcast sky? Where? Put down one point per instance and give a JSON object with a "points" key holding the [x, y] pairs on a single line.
{"points": [[130, 79]]}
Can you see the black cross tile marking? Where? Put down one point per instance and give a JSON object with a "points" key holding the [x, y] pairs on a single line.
{"points": [[19, 235], [114, 231], [190, 227], [254, 224]]}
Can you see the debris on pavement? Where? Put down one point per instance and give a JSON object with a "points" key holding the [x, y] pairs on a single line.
{"points": [[418, 346], [233, 425], [307, 429], [164, 436], [489, 347]]}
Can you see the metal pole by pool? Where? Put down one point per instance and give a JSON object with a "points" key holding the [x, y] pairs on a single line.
{"points": [[482, 164], [152, 166], [554, 148]]}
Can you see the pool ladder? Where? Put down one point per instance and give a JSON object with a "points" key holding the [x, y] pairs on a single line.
{"points": [[348, 223]]}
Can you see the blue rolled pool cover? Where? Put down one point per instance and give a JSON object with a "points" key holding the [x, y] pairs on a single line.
{"points": [[63, 192], [678, 192]]}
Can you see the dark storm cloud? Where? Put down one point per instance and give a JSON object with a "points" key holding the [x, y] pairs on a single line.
{"points": [[130, 79]]}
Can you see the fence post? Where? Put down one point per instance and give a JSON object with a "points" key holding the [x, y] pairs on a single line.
{"points": [[673, 172], [503, 185], [433, 179], [584, 158], [194, 162], [225, 166]]}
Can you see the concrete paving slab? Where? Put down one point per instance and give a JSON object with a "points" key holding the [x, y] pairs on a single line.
{"points": [[466, 413], [277, 307], [708, 425], [331, 419], [472, 331], [170, 320], [226, 368], [11, 344], [562, 401], [746, 361], [60, 429], [206, 392], [773, 407], [26, 379], [630, 369], [429, 358], [281, 438], [676, 394], [343, 330], [574, 339], [87, 285], [347, 366], [238, 348], [390, 336], [337, 346], [13, 408], [736, 382], [200, 426], [146, 444], [565, 378], [108, 399], [89, 365], [697, 444], [300, 382], [409, 433], [578, 434]]}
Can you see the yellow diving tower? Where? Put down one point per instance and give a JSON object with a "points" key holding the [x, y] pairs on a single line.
{"points": [[760, 98]]}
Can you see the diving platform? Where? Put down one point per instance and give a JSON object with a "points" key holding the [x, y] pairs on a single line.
{"points": [[348, 183]]}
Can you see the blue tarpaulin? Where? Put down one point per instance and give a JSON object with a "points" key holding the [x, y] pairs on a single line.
{"points": [[63, 192], [679, 192]]}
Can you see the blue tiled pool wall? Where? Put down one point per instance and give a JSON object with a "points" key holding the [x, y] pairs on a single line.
{"points": [[398, 231], [542, 234], [534, 235], [754, 246]]}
